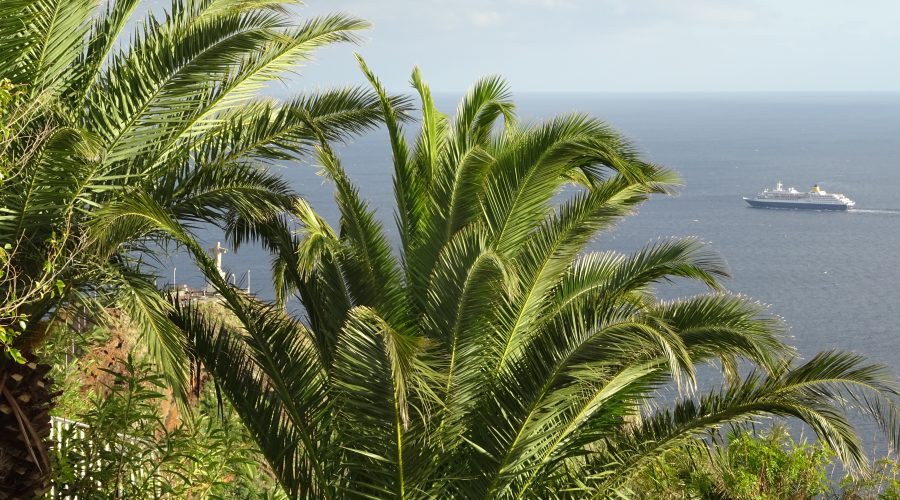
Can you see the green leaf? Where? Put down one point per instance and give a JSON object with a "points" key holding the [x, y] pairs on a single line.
{"points": [[16, 355]]}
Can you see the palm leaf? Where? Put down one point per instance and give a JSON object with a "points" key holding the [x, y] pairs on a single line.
{"points": [[806, 392], [48, 41], [374, 374], [284, 409]]}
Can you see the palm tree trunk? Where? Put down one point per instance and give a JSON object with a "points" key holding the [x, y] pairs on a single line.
{"points": [[25, 402]]}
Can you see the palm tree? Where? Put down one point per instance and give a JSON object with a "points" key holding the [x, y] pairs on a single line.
{"points": [[111, 112], [491, 356]]}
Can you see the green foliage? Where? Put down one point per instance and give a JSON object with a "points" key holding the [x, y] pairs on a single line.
{"points": [[11, 321], [95, 116], [773, 466], [118, 446], [15, 297], [61, 351], [489, 356], [770, 465], [10, 95], [744, 465], [883, 483]]}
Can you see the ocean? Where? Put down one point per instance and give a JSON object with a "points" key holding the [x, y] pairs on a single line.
{"points": [[833, 277]]}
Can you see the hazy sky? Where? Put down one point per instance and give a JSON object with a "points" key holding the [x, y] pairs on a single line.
{"points": [[622, 45]]}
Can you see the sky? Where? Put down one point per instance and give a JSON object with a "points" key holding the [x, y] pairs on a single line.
{"points": [[620, 45]]}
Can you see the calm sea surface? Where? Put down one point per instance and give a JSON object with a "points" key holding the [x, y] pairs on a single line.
{"points": [[834, 277]]}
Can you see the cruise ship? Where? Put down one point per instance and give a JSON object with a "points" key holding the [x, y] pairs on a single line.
{"points": [[815, 199]]}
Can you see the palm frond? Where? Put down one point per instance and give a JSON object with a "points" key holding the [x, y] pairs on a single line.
{"points": [[410, 182], [463, 294], [281, 54], [268, 132], [487, 100], [146, 94], [609, 277], [813, 393], [369, 266], [210, 192], [102, 38], [726, 326], [149, 311], [48, 41], [283, 407], [374, 374]]}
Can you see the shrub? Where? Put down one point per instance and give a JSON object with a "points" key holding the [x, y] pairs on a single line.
{"points": [[120, 446]]}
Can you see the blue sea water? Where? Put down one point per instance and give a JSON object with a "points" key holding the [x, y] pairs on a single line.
{"points": [[833, 277]]}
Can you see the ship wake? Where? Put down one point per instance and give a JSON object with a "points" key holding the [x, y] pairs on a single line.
{"points": [[893, 211]]}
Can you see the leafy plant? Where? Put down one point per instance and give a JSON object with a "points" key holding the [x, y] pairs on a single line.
{"points": [[741, 465], [104, 124], [490, 356], [15, 291], [120, 446], [169, 113], [883, 483]]}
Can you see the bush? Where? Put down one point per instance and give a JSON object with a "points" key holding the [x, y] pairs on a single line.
{"points": [[121, 447], [884, 483], [745, 465]]}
